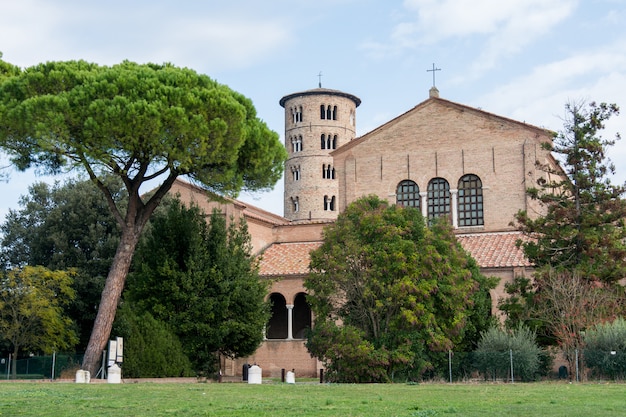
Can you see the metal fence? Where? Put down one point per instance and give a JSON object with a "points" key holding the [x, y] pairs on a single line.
{"points": [[520, 366], [40, 367], [505, 366]]}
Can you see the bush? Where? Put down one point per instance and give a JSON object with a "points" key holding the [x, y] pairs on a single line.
{"points": [[151, 349], [605, 351], [495, 348]]}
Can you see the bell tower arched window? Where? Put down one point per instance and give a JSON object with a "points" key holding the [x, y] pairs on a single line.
{"points": [[329, 203], [328, 172], [296, 143]]}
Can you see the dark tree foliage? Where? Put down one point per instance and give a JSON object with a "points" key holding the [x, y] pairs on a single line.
{"points": [[582, 226], [200, 278], [151, 348], [390, 294], [64, 226]]}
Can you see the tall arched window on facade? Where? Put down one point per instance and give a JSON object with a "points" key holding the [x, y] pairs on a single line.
{"points": [[277, 327], [329, 113], [470, 201], [335, 113], [322, 112], [408, 194], [438, 198]]}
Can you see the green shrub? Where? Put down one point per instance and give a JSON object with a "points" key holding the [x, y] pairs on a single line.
{"points": [[605, 351], [151, 349], [497, 347]]}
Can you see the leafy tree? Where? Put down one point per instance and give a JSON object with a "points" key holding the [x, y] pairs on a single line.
{"points": [[496, 345], [201, 279], [31, 310], [400, 290], [142, 123], [582, 226], [605, 350], [151, 349], [66, 226]]}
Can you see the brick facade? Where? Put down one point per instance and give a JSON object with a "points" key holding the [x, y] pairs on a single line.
{"points": [[437, 139]]}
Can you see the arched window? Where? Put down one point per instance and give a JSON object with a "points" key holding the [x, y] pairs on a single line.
{"points": [[470, 201], [329, 203], [299, 115], [295, 204], [328, 172], [328, 141], [408, 194], [295, 171], [335, 113], [329, 113], [438, 198], [322, 112], [301, 316], [296, 143], [278, 325]]}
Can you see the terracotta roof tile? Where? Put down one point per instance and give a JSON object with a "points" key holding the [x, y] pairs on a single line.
{"points": [[495, 250], [491, 250], [287, 258]]}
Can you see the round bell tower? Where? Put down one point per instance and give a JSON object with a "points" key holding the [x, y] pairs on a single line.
{"points": [[317, 122]]}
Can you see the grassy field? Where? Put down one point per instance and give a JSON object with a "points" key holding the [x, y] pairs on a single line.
{"points": [[300, 400]]}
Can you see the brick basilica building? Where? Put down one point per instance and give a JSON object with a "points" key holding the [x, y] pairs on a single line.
{"points": [[442, 157]]}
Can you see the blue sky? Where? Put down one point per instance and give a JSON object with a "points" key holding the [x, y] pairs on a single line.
{"points": [[522, 59]]}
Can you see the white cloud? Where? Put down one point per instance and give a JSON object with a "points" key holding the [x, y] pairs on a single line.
{"points": [[35, 31], [503, 27]]}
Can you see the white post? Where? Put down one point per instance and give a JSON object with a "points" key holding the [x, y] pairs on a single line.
{"points": [[450, 363], [511, 355], [289, 321]]}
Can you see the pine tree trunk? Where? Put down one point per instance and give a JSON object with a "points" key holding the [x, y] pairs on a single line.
{"points": [[108, 302]]}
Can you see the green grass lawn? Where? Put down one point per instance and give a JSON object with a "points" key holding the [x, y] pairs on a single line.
{"points": [[300, 400]]}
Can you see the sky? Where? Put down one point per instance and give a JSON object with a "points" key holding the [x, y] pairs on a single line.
{"points": [[521, 59]]}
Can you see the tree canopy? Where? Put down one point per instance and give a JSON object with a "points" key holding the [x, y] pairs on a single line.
{"points": [[31, 310], [62, 226], [201, 279], [582, 226], [401, 291], [140, 122]]}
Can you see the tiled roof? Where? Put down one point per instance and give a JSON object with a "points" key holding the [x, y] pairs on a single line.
{"points": [[495, 250], [491, 250], [287, 258]]}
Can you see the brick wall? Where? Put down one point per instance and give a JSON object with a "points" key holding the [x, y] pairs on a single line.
{"points": [[442, 139]]}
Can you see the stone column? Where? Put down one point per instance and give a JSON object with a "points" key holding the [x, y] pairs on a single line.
{"points": [[454, 207], [424, 203], [289, 321]]}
